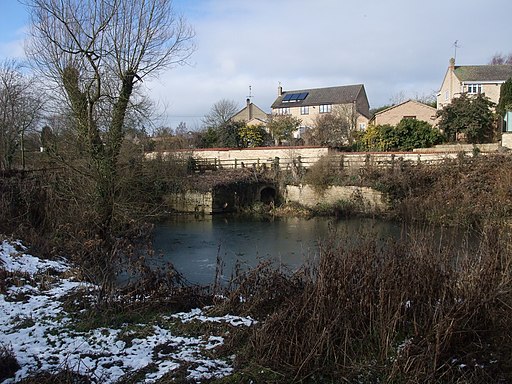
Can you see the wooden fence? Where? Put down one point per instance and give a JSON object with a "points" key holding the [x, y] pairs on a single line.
{"points": [[341, 160]]}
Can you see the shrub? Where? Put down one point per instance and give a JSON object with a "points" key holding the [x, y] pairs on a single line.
{"points": [[411, 311], [322, 174], [8, 363], [407, 135]]}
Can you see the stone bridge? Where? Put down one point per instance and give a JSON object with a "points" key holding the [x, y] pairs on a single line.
{"points": [[224, 199]]}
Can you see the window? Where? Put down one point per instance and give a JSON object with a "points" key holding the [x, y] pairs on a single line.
{"points": [[283, 111], [362, 126], [325, 108], [410, 117], [446, 95], [474, 88], [304, 110]]}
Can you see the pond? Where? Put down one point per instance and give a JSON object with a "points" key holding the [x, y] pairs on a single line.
{"points": [[193, 245]]}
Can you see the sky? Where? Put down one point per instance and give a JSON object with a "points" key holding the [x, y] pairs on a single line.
{"points": [[397, 48]]}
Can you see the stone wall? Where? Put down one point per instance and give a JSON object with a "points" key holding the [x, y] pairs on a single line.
{"points": [[453, 148], [191, 202], [367, 199], [262, 156], [506, 140]]}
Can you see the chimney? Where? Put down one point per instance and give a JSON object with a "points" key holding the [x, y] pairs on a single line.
{"points": [[249, 109], [279, 90], [452, 63]]}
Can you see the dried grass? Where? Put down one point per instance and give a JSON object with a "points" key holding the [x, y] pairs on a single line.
{"points": [[405, 312]]}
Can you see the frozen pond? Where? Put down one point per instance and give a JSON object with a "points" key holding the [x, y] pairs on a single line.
{"points": [[193, 245]]}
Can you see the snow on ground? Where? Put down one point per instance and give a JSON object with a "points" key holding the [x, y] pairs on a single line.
{"points": [[41, 334]]}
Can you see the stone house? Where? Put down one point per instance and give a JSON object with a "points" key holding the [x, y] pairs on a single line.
{"points": [[308, 104], [251, 114], [472, 79], [411, 109]]}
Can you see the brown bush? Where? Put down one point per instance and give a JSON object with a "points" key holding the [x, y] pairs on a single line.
{"points": [[8, 363], [410, 311], [467, 191]]}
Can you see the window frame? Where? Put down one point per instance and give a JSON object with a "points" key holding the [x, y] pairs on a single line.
{"points": [[325, 108], [474, 88]]}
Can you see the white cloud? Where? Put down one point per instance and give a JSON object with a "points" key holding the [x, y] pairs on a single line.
{"points": [[390, 46]]}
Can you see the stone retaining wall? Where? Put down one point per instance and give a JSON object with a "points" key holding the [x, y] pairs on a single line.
{"points": [[190, 202], [367, 199]]}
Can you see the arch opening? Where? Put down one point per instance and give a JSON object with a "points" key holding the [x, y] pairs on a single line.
{"points": [[268, 195]]}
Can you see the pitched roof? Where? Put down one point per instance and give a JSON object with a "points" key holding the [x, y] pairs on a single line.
{"points": [[483, 72], [419, 103], [317, 96]]}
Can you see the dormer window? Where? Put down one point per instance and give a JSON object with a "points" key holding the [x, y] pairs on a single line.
{"points": [[474, 89]]}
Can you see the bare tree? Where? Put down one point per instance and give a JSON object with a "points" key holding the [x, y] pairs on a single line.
{"points": [[282, 127], [220, 113], [335, 129], [398, 98], [500, 59], [20, 110], [97, 53]]}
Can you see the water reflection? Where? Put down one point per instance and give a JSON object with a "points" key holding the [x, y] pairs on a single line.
{"points": [[193, 245]]}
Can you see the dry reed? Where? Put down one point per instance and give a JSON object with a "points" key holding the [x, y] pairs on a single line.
{"points": [[413, 311]]}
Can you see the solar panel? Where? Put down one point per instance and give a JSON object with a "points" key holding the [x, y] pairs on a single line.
{"points": [[293, 97]]}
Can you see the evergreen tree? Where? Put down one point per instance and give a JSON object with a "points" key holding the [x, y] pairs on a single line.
{"points": [[505, 97], [471, 116]]}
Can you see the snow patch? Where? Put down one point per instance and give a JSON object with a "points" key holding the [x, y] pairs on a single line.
{"points": [[41, 333]]}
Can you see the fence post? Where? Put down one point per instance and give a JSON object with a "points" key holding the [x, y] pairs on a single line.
{"points": [[392, 161], [235, 163], [275, 163]]}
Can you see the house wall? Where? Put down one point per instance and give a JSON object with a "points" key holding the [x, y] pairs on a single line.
{"points": [[492, 91], [455, 88], [309, 120], [314, 111], [449, 86], [395, 114], [251, 113], [452, 87]]}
